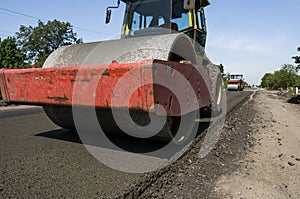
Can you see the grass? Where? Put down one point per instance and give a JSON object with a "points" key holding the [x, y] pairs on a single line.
{"points": [[2, 103]]}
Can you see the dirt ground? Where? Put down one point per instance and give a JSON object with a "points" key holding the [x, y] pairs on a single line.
{"points": [[274, 167], [257, 156]]}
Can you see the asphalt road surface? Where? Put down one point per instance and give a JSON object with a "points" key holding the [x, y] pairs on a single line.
{"points": [[39, 159]]}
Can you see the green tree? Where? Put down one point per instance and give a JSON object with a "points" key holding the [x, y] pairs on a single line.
{"points": [[10, 55], [221, 68], [266, 81], [40, 41], [225, 79], [297, 82], [290, 68], [224, 75], [283, 78], [297, 59], [290, 74]]}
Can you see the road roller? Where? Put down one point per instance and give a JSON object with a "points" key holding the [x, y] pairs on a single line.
{"points": [[156, 71], [236, 82]]}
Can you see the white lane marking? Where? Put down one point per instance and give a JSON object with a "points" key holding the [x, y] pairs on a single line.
{"points": [[252, 95]]}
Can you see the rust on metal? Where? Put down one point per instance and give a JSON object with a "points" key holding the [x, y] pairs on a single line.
{"points": [[58, 99], [106, 73], [87, 80]]}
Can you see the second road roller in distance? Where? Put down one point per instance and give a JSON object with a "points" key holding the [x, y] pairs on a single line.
{"points": [[236, 82]]}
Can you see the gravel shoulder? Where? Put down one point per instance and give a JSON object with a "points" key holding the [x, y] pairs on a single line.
{"points": [[257, 156]]}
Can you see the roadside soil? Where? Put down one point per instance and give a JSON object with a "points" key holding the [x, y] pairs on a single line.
{"points": [[274, 167], [257, 156]]}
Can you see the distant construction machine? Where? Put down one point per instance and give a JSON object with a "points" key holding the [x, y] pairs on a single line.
{"points": [[236, 82]]}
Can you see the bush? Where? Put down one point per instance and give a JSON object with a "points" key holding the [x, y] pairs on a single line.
{"points": [[282, 79], [2, 103]]}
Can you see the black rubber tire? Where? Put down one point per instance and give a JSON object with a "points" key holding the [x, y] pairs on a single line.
{"points": [[63, 117], [60, 115]]}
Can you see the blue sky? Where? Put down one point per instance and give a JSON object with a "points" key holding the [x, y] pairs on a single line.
{"points": [[250, 37]]}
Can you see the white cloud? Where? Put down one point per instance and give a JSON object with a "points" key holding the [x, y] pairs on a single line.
{"points": [[243, 43], [251, 55]]}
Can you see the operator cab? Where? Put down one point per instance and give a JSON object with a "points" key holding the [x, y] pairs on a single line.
{"points": [[156, 17], [236, 77]]}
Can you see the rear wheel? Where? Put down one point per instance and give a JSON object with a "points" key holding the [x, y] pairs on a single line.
{"points": [[60, 115], [179, 129], [183, 129]]}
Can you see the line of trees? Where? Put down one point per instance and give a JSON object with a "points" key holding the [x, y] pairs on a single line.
{"points": [[284, 78], [32, 45]]}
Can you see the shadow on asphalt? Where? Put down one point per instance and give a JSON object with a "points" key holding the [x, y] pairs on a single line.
{"points": [[128, 144]]}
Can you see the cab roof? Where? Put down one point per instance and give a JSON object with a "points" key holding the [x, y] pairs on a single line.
{"points": [[204, 2]]}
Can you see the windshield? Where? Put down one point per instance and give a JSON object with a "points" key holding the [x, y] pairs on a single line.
{"points": [[150, 15], [143, 14], [236, 76]]}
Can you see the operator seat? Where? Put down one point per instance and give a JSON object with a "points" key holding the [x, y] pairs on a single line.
{"points": [[171, 25], [167, 25]]}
